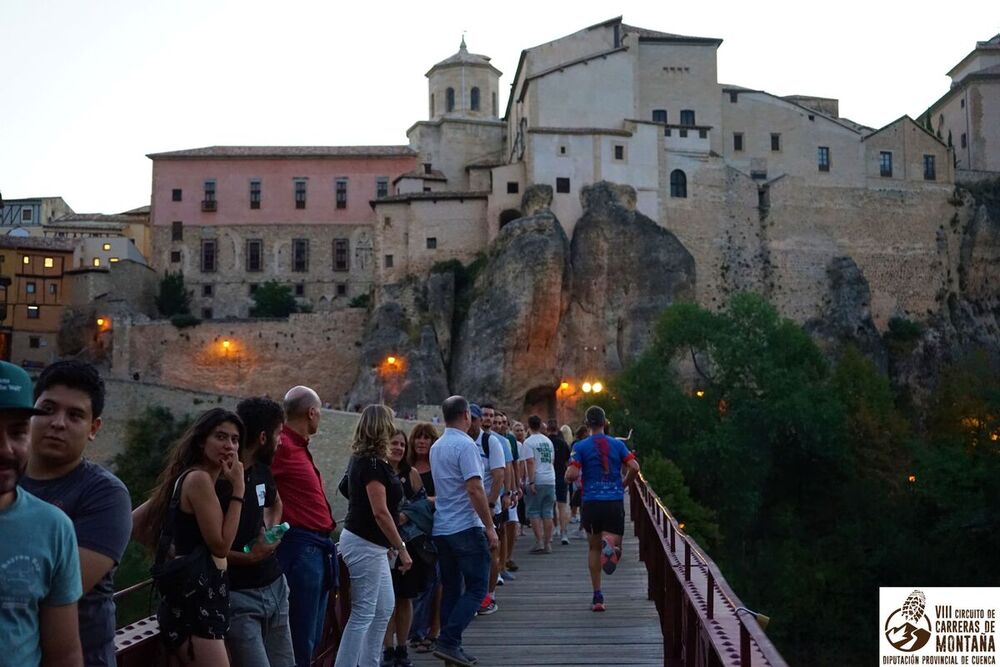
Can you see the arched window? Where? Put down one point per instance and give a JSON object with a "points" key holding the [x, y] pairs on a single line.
{"points": [[474, 99], [449, 101], [678, 184]]}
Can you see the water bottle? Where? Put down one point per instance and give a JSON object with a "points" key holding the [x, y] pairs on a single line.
{"points": [[271, 535]]}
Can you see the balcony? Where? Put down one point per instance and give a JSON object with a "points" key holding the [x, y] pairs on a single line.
{"points": [[209, 205]]}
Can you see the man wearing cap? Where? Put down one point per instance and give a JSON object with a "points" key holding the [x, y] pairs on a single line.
{"points": [[463, 529], [597, 462], [69, 395], [39, 564]]}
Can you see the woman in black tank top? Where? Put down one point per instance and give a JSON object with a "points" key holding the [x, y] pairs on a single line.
{"points": [[418, 453], [194, 626]]}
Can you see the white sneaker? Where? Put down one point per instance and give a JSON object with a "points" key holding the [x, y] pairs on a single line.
{"points": [[500, 581]]}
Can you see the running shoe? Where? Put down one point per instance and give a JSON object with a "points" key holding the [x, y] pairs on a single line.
{"points": [[471, 658], [547, 549], [598, 602], [500, 581], [507, 576], [454, 656], [489, 606], [610, 556], [565, 540]]}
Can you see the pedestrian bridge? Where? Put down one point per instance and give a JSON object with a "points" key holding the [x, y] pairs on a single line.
{"points": [[667, 604]]}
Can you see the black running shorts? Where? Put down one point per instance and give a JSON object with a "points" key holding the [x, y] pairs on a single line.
{"points": [[603, 516]]}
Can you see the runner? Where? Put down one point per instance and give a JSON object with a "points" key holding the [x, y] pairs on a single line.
{"points": [[597, 461]]}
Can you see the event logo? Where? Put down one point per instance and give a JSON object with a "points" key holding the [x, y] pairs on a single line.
{"points": [[908, 628]]}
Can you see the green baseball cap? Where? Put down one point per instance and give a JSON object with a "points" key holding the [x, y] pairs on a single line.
{"points": [[15, 389]]}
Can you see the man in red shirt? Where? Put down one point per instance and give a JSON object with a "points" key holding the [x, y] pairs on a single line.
{"points": [[307, 554]]}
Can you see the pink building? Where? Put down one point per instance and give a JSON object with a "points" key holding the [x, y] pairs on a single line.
{"points": [[233, 217]]}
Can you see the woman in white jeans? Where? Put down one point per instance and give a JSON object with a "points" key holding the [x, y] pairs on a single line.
{"points": [[370, 542]]}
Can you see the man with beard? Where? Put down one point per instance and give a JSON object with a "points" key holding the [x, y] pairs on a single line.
{"points": [[69, 396], [39, 563], [259, 634]]}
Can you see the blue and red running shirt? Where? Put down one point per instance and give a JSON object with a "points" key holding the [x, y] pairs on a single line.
{"points": [[600, 458]]}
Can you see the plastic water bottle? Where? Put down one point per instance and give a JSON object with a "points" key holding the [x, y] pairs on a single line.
{"points": [[271, 535]]}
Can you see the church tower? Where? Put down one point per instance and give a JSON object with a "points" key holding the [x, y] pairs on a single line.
{"points": [[465, 85]]}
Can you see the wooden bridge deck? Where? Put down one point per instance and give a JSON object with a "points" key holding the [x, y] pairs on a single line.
{"points": [[544, 616]]}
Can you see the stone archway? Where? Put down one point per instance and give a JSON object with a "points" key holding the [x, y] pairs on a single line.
{"points": [[509, 215], [540, 401]]}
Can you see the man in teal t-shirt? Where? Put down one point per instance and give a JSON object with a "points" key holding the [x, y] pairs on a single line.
{"points": [[39, 563]]}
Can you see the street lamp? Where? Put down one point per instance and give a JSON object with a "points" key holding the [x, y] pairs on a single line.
{"points": [[390, 360], [587, 387], [100, 321], [597, 387]]}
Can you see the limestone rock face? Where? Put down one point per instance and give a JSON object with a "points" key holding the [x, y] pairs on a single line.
{"points": [[625, 270], [439, 301], [508, 341], [848, 314], [418, 375], [536, 199]]}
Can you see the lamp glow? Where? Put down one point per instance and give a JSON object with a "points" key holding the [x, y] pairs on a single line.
{"points": [[391, 361], [597, 387], [587, 387], [226, 344], [100, 321]]}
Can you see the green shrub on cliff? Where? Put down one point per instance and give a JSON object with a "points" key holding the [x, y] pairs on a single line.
{"points": [[174, 297]]}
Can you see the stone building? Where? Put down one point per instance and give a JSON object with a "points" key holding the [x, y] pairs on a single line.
{"points": [[967, 117], [233, 217], [131, 225], [25, 217]]}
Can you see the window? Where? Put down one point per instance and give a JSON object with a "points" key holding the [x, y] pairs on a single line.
{"points": [[930, 171], [206, 313], [34, 342], [300, 289], [300, 194], [255, 255], [175, 256], [495, 109], [964, 141], [341, 289], [775, 141], [687, 117], [513, 187], [207, 290], [961, 103], [113, 260], [823, 158], [619, 151], [106, 246], [885, 163], [341, 252], [388, 261], [26, 260], [381, 187], [703, 134], [734, 97], [300, 255], [210, 190], [97, 261], [341, 193], [562, 185], [432, 243], [208, 248], [449, 100], [176, 230], [387, 221], [737, 141], [29, 288], [176, 194], [255, 193], [32, 312], [678, 184], [659, 115], [432, 105], [26, 214], [562, 150], [683, 133], [474, 99], [53, 289], [48, 262]]}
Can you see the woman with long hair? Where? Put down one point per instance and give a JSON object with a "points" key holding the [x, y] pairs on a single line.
{"points": [[370, 540], [427, 607], [408, 585], [194, 627]]}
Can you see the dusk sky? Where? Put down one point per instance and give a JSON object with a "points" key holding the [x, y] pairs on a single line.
{"points": [[89, 88]]}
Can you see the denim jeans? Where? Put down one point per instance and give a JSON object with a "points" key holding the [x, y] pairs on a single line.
{"points": [[420, 627], [305, 567], [259, 635], [463, 557], [372, 601]]}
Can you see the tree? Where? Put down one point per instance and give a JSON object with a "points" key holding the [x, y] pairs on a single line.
{"points": [[174, 298], [272, 299]]}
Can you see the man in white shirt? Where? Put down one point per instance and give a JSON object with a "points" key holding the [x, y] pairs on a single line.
{"points": [[539, 454], [463, 529], [494, 465]]}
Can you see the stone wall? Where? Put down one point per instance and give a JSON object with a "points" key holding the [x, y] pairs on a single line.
{"points": [[125, 399], [321, 350]]}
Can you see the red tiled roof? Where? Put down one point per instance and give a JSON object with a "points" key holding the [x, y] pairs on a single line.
{"points": [[241, 152]]}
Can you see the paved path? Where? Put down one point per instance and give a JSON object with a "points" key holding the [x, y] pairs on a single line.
{"points": [[545, 618]]}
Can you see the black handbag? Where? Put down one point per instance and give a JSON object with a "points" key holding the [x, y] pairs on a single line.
{"points": [[178, 577]]}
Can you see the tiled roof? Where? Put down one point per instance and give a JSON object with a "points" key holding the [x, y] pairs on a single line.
{"points": [[428, 196], [96, 217], [645, 33], [142, 210], [463, 57], [237, 152], [38, 243], [433, 175]]}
